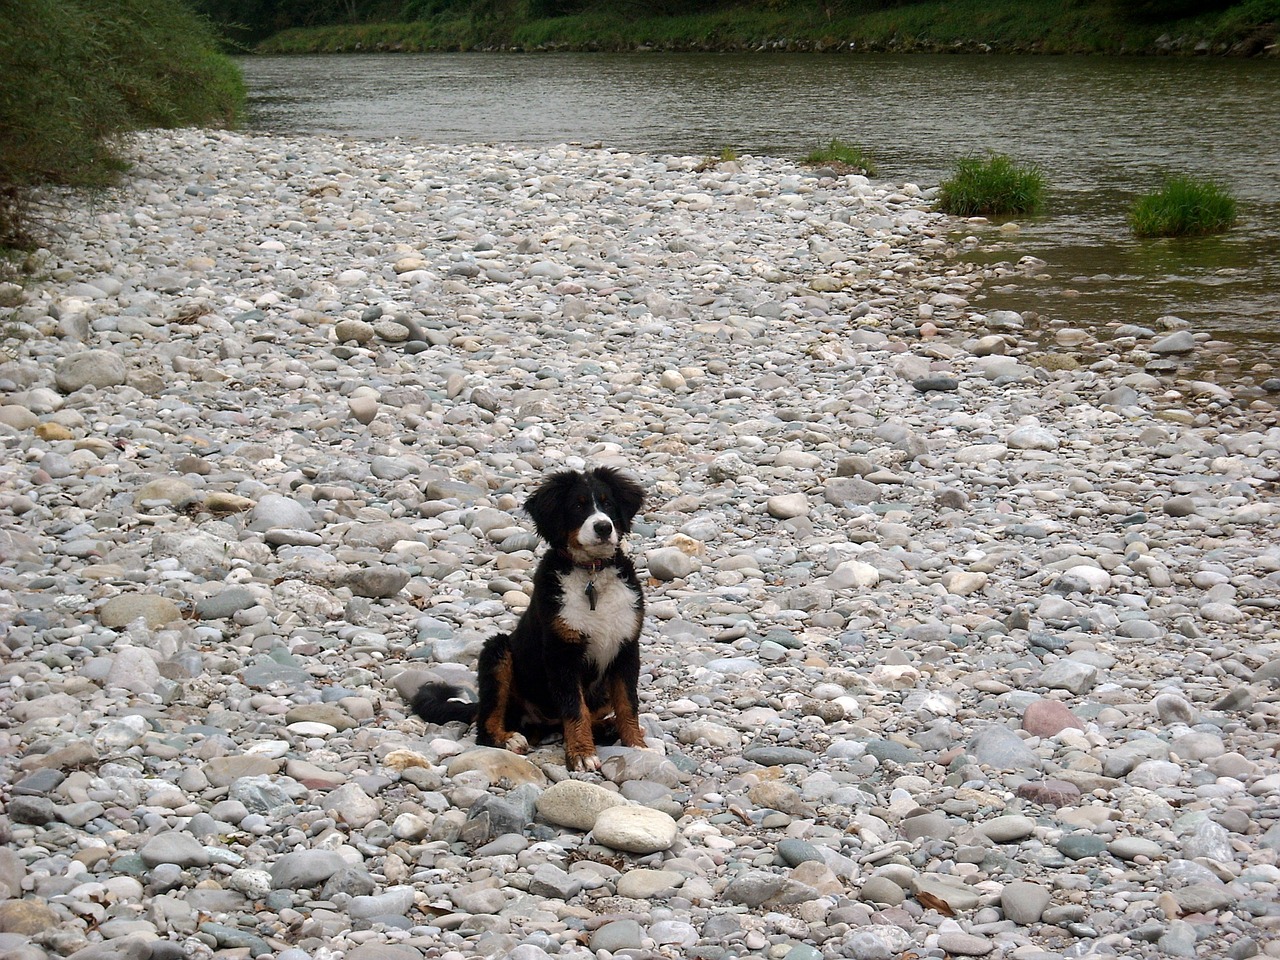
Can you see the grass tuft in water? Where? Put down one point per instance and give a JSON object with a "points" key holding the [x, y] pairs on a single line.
{"points": [[844, 154], [996, 185], [1183, 207]]}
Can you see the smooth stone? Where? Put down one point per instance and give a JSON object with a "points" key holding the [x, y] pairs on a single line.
{"points": [[378, 582], [497, 765], [276, 511], [639, 830], [1133, 848], [576, 803], [646, 884], [1080, 846], [617, 935], [1031, 438], [670, 563], [26, 916], [1180, 341], [1070, 675], [939, 383], [882, 891], [959, 944], [174, 847], [1003, 749], [119, 612], [96, 368], [1023, 902], [301, 869], [787, 506], [1050, 793], [225, 603], [959, 897], [1009, 828]]}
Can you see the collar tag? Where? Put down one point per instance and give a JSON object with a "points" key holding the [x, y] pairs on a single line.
{"points": [[590, 591]]}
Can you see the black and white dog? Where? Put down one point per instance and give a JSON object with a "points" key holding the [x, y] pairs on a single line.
{"points": [[573, 659]]}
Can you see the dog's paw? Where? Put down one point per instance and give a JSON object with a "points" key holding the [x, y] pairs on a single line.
{"points": [[588, 764], [517, 743]]}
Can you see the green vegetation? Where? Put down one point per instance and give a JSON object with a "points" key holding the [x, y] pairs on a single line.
{"points": [[1052, 26], [1183, 207], [995, 186], [727, 155], [76, 75], [842, 154]]}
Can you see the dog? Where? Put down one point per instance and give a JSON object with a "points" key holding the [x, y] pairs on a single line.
{"points": [[573, 659]]}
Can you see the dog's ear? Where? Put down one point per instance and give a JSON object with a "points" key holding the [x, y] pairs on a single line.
{"points": [[627, 493], [546, 503]]}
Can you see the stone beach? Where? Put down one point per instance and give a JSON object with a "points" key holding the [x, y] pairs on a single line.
{"points": [[963, 633]]}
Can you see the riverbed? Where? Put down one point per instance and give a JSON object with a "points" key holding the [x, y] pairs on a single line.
{"points": [[949, 650]]}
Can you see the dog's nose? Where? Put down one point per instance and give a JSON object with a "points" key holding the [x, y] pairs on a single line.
{"points": [[603, 528]]}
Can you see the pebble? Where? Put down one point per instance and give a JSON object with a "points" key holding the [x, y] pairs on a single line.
{"points": [[947, 651]]}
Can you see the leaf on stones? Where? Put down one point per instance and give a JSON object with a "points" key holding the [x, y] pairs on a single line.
{"points": [[930, 902]]}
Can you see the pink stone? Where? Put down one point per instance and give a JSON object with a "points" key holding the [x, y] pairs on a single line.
{"points": [[1045, 718], [1050, 793]]}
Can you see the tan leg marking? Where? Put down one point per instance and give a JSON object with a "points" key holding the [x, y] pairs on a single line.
{"points": [[624, 717], [579, 742], [496, 723]]}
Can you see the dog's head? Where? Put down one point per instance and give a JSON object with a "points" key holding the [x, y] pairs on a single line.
{"points": [[585, 513]]}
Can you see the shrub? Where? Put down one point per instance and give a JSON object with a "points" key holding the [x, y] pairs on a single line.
{"points": [[1183, 207], [845, 154], [994, 186], [75, 75]]}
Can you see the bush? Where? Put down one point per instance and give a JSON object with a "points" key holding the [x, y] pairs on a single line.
{"points": [[1183, 207], [75, 75], [995, 186], [845, 154]]}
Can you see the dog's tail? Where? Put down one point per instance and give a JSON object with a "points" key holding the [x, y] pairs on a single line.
{"points": [[443, 703]]}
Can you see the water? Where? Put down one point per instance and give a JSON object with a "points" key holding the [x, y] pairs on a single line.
{"points": [[1103, 130]]}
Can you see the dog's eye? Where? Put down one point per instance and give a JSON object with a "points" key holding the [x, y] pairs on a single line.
{"points": [[604, 501]]}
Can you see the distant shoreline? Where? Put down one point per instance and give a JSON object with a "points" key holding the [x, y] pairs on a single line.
{"points": [[962, 27]]}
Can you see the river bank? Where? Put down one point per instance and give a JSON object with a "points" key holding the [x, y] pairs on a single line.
{"points": [[959, 26], [954, 647]]}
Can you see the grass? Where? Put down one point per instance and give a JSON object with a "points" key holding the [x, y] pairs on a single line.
{"points": [[77, 75], [994, 186], [842, 154], [1183, 207]]}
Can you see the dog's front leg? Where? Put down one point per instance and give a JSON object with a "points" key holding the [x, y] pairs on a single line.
{"points": [[579, 741], [622, 697]]}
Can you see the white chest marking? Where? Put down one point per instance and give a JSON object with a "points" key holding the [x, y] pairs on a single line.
{"points": [[615, 619]]}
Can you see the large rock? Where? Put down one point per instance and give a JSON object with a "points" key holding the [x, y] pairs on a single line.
{"points": [[121, 611], [96, 368], [576, 803], [635, 829]]}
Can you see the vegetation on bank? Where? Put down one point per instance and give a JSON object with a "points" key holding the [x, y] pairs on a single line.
{"points": [[1248, 27], [992, 186], [76, 75], [840, 154], [1183, 207]]}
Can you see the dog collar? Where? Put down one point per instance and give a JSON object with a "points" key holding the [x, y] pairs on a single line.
{"points": [[592, 566]]}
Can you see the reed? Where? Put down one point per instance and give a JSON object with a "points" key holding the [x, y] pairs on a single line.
{"points": [[1183, 207], [992, 186]]}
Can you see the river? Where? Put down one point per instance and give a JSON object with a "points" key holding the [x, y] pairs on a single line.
{"points": [[1103, 130]]}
